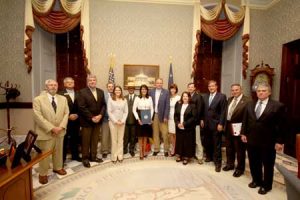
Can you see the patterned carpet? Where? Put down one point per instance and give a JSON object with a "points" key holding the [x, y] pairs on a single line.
{"points": [[153, 178]]}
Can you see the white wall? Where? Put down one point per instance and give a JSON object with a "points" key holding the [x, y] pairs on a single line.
{"points": [[140, 33]]}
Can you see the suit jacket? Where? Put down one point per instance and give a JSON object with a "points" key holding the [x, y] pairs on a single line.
{"points": [[268, 129], [215, 113], [73, 106], [238, 113], [197, 99], [130, 117], [189, 118], [45, 119], [89, 107], [163, 104]]}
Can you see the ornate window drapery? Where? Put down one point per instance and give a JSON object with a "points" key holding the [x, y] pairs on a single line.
{"points": [[72, 12], [223, 29]]}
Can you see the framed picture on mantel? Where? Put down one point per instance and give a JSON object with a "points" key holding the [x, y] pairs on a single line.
{"points": [[137, 75]]}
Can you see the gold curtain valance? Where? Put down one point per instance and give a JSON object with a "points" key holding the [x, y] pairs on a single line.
{"points": [[72, 12], [222, 29]]}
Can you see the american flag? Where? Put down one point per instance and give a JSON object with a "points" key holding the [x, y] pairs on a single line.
{"points": [[171, 81], [111, 75]]}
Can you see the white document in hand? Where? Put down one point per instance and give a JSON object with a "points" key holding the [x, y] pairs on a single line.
{"points": [[236, 128]]}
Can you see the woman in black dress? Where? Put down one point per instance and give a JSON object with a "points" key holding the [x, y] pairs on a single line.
{"points": [[144, 130], [185, 120]]}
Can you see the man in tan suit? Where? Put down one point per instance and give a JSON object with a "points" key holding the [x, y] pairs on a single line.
{"points": [[50, 112]]}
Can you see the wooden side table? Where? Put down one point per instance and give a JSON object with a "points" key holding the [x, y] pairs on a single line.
{"points": [[17, 183]]}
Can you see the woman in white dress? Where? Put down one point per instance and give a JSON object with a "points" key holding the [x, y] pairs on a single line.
{"points": [[174, 97], [144, 130], [117, 110]]}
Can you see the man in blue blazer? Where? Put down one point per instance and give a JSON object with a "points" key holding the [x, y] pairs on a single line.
{"points": [[161, 103], [214, 120]]}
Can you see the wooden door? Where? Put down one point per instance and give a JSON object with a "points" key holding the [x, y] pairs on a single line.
{"points": [[69, 59], [290, 92], [209, 64]]}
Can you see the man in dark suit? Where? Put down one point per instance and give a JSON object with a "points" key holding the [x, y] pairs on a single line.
{"points": [[262, 130], [213, 124], [71, 138], [130, 136], [234, 145], [161, 104], [92, 108], [198, 101]]}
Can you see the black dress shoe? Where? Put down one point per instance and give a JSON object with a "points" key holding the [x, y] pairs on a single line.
{"points": [[237, 173], [132, 154], [166, 154], [227, 168], [98, 160], [253, 184], [86, 163], [154, 153], [218, 168], [263, 190], [77, 159], [104, 155]]}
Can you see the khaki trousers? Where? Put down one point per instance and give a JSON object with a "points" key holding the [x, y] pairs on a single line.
{"points": [[199, 147], [56, 145], [105, 138], [117, 138], [160, 127]]}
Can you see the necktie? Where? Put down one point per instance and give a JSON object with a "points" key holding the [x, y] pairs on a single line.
{"points": [[53, 104], [258, 109], [130, 98], [210, 99], [232, 108]]}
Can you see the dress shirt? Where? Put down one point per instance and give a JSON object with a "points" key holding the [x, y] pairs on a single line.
{"points": [[157, 94], [71, 93], [94, 91], [263, 105], [211, 97], [237, 102], [50, 98]]}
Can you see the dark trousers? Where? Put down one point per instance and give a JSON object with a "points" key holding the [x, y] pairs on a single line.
{"points": [[71, 140], [235, 148], [262, 160], [90, 137], [129, 138], [212, 145]]}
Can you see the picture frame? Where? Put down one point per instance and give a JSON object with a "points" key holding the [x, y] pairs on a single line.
{"points": [[29, 142], [137, 75]]}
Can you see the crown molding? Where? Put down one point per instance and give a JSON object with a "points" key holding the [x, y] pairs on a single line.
{"points": [[176, 2], [253, 4], [261, 6]]}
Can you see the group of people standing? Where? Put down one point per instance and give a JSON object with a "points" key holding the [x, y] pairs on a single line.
{"points": [[189, 125]]}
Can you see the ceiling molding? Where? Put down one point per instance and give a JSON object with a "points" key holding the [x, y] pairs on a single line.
{"points": [[253, 4], [262, 5], [176, 2]]}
